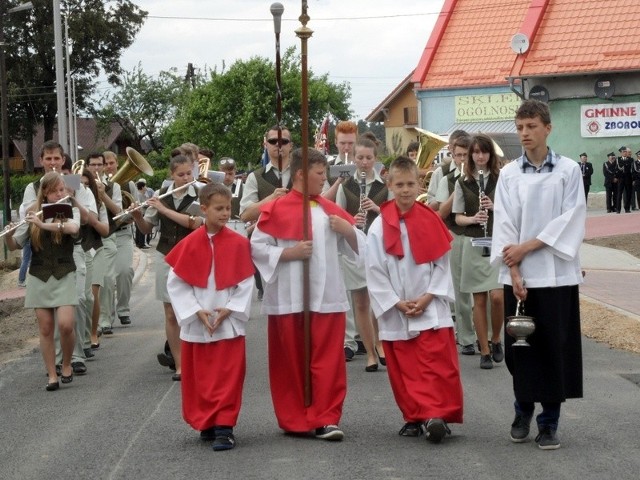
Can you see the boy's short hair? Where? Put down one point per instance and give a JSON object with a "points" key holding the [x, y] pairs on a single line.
{"points": [[402, 164], [274, 128], [413, 147], [453, 136], [316, 157], [226, 164], [206, 152], [346, 126], [462, 141], [211, 189], [51, 145], [178, 160], [534, 108]]}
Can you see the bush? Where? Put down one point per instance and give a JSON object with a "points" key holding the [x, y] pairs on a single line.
{"points": [[17, 183]]}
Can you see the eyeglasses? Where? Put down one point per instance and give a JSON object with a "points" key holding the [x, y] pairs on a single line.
{"points": [[227, 161], [274, 141]]}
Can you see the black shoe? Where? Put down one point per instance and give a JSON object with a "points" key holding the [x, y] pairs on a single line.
{"points": [[176, 377], [547, 438], [497, 353], [88, 353], [330, 433], [107, 331], [382, 359], [436, 430], [208, 434], [166, 361], [224, 439], [348, 354], [50, 387], [125, 320], [485, 362], [371, 368], [468, 349], [361, 350], [412, 429], [520, 429], [58, 370], [65, 379], [79, 368]]}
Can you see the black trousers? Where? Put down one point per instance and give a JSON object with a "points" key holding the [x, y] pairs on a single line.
{"points": [[610, 197]]}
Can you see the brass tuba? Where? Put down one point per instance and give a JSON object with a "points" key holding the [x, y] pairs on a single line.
{"points": [[134, 165], [430, 145]]}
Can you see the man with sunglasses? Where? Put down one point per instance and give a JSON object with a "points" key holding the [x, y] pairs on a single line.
{"points": [[269, 182]]}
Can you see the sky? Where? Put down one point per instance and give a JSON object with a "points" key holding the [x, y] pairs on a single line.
{"points": [[372, 44]]}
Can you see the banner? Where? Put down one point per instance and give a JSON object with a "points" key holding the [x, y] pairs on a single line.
{"points": [[610, 120], [486, 108]]}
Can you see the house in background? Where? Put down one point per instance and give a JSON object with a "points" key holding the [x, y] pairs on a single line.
{"points": [[399, 114], [461, 78], [90, 139], [484, 56]]}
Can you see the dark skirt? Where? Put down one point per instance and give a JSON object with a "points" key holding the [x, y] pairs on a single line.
{"points": [[550, 370]]}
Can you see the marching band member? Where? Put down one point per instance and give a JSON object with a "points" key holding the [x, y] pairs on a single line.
{"points": [[175, 224], [50, 288], [473, 208]]}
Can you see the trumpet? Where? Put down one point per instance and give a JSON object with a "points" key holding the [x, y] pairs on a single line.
{"points": [[77, 168], [203, 168], [10, 229], [486, 252], [363, 196]]}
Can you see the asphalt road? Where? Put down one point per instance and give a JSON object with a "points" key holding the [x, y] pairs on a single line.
{"points": [[123, 421]]}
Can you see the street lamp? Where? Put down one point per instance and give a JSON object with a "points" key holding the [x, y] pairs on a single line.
{"points": [[4, 107]]}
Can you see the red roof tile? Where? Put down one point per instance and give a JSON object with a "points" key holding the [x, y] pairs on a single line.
{"points": [[584, 36], [474, 46]]}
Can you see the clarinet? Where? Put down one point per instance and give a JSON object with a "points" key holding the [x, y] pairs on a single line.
{"points": [[486, 252], [363, 196]]}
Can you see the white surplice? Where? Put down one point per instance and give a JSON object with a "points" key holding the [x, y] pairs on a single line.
{"points": [[187, 300], [283, 280], [549, 206], [391, 279]]}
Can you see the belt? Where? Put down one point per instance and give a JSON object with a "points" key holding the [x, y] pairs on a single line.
{"points": [[126, 227]]}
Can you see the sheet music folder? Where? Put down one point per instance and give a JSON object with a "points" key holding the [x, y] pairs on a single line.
{"points": [[56, 211]]}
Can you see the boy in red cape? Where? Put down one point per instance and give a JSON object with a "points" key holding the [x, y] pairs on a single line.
{"points": [[210, 285], [278, 250], [410, 288]]}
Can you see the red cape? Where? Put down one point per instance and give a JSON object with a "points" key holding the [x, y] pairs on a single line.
{"points": [[282, 218], [192, 258], [429, 237]]}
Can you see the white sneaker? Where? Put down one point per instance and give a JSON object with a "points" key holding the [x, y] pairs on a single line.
{"points": [[22, 284], [330, 432]]}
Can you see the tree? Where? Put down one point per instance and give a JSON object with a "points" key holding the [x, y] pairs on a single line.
{"points": [[99, 31], [144, 105], [231, 112]]}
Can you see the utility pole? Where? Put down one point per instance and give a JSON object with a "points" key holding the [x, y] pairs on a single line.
{"points": [[63, 138]]}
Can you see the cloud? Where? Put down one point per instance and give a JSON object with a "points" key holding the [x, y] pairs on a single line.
{"points": [[372, 54]]}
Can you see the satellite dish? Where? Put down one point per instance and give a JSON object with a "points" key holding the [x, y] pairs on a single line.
{"points": [[538, 92], [604, 88], [520, 43]]}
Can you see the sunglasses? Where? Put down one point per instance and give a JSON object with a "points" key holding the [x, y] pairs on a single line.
{"points": [[227, 161], [274, 141]]}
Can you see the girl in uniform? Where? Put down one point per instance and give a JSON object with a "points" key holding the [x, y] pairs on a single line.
{"points": [[175, 223], [51, 278], [473, 206]]}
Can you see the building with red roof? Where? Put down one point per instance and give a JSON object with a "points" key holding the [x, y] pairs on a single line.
{"points": [[484, 56]]}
